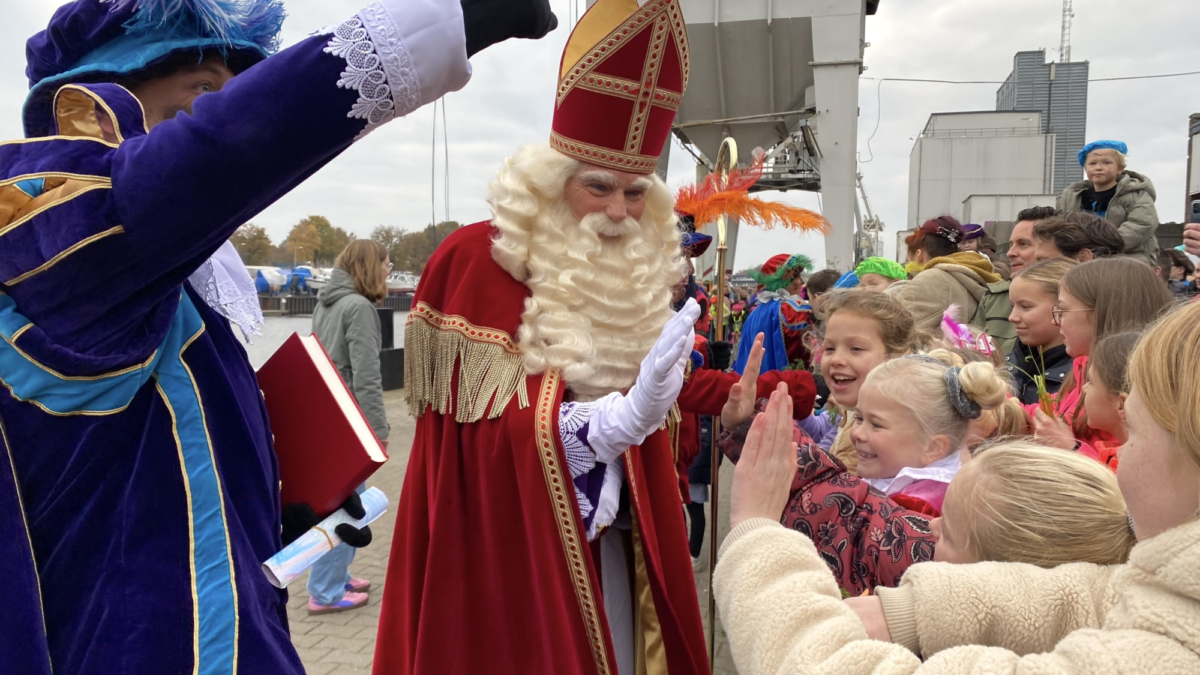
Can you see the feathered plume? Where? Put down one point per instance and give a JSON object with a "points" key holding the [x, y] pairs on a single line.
{"points": [[254, 21], [716, 197], [962, 337]]}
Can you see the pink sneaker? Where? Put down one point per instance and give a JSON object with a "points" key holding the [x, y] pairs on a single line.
{"points": [[358, 586], [350, 601]]}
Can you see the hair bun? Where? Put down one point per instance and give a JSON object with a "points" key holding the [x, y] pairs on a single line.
{"points": [[986, 386], [958, 398]]}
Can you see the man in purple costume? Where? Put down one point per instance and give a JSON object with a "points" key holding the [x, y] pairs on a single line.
{"points": [[139, 492]]}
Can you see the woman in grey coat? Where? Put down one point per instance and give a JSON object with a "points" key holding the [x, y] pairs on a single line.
{"points": [[346, 323], [1122, 197]]}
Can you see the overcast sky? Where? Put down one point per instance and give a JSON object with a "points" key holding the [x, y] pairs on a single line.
{"points": [[387, 179]]}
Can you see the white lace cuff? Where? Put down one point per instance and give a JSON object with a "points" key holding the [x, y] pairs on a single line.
{"points": [[400, 55], [572, 429], [225, 285]]}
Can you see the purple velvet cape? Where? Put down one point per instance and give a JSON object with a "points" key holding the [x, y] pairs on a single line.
{"points": [[119, 383]]}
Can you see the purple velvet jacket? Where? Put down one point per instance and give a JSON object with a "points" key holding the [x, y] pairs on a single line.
{"points": [[139, 492]]}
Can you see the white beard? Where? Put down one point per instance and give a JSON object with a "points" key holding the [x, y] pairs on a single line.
{"points": [[596, 305]]}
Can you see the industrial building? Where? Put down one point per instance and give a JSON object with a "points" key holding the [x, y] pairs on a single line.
{"points": [[977, 154], [984, 167], [1059, 92]]}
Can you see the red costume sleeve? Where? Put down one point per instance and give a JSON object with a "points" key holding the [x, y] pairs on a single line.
{"points": [[866, 539], [705, 391]]}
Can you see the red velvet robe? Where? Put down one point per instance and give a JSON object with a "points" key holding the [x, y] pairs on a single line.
{"points": [[491, 571]]}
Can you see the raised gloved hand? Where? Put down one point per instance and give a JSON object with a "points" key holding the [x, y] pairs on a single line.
{"points": [[620, 421], [722, 354], [488, 22], [300, 518]]}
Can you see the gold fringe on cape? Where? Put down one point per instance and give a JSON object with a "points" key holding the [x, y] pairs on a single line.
{"points": [[488, 363]]}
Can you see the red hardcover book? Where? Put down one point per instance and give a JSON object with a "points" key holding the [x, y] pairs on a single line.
{"points": [[324, 443]]}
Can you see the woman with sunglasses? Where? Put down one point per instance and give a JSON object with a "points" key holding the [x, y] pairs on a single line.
{"points": [[346, 323], [1096, 299]]}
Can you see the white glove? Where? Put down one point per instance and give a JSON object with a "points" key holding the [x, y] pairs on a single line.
{"points": [[621, 421]]}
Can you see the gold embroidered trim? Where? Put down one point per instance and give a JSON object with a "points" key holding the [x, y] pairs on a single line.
{"points": [[101, 102], [37, 577], [12, 342], [5, 229], [45, 139], [487, 361], [212, 458], [59, 258], [626, 31], [671, 425], [563, 500], [187, 491], [57, 174], [594, 154], [650, 70], [70, 108], [629, 89], [663, 18], [675, 12]]}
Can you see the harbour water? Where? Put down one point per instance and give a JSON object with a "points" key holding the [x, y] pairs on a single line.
{"points": [[278, 329]]}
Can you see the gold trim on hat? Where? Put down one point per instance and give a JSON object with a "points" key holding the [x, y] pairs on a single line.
{"points": [[594, 154], [581, 61]]}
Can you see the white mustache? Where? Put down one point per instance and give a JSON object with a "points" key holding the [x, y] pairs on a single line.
{"points": [[601, 225]]}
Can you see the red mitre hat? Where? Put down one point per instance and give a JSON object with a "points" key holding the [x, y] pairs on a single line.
{"points": [[621, 80], [774, 263]]}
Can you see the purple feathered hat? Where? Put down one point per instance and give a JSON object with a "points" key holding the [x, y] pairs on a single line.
{"points": [[972, 231], [90, 40]]}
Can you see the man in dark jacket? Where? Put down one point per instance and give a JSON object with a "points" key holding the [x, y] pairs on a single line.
{"points": [[1122, 197]]}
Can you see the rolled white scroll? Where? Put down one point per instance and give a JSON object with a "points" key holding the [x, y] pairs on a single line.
{"points": [[299, 555]]}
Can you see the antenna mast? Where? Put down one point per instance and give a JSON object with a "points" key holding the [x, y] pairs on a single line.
{"points": [[1064, 49]]}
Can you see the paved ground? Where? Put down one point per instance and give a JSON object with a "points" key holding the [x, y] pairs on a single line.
{"points": [[344, 644]]}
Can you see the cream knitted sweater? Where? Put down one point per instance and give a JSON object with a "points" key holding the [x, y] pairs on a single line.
{"points": [[783, 612]]}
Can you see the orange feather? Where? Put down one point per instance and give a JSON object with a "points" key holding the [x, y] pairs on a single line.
{"points": [[716, 197]]}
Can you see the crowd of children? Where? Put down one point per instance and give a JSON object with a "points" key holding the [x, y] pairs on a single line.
{"points": [[1130, 603], [935, 443]]}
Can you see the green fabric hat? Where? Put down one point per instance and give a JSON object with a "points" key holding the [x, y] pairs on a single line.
{"points": [[883, 267], [780, 270]]}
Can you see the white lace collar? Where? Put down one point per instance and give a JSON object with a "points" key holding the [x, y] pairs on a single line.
{"points": [[941, 471], [225, 284], [768, 296]]}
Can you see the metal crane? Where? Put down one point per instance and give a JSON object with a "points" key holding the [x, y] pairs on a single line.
{"points": [[869, 228], [1064, 48]]}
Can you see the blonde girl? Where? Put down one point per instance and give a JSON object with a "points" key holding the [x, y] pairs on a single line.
{"points": [[1139, 618], [1007, 420], [862, 330], [1039, 351], [1017, 501], [912, 421], [1096, 299]]}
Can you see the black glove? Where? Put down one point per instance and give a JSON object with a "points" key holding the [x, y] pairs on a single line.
{"points": [[297, 519], [300, 518], [722, 354], [353, 536], [488, 22]]}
